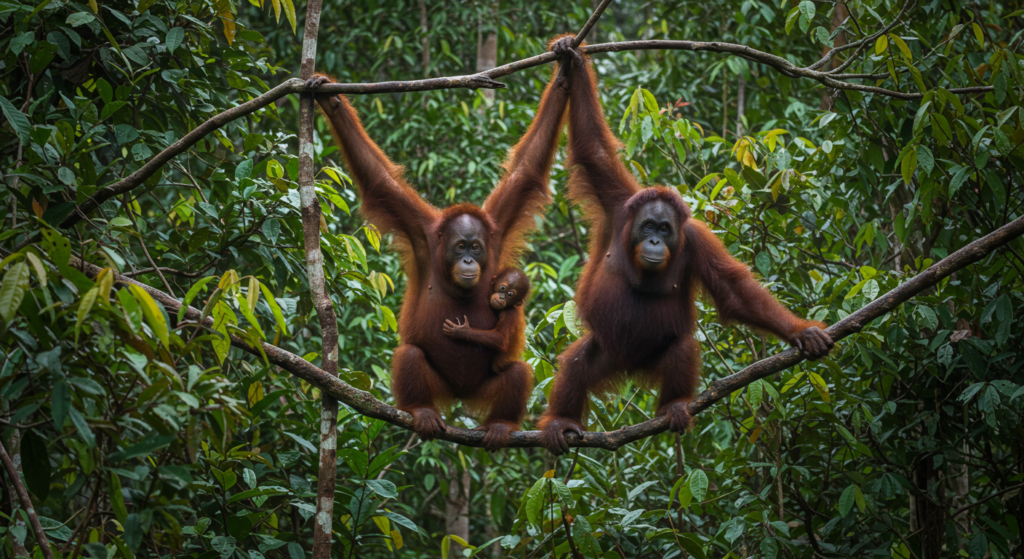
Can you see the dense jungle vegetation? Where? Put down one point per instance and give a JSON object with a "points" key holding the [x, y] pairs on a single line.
{"points": [[139, 434]]}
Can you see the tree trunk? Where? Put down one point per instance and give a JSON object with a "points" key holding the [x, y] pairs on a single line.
{"points": [[426, 38], [456, 509], [960, 483], [839, 16], [741, 104], [927, 517], [487, 48]]}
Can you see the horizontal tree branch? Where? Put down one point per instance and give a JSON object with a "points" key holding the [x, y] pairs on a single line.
{"points": [[366, 404], [475, 81]]}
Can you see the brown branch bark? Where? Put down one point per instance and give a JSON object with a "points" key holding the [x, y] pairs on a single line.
{"points": [[486, 79], [366, 404], [26, 502]]}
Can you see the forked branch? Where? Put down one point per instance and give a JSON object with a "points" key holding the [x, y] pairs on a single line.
{"points": [[833, 79], [366, 404]]}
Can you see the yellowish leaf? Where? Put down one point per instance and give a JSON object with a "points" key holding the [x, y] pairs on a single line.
{"points": [[88, 300], [227, 17], [152, 312], [902, 45], [256, 393], [881, 44], [289, 12]]}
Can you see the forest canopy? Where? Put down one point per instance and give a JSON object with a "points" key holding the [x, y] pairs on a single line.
{"points": [[184, 267]]}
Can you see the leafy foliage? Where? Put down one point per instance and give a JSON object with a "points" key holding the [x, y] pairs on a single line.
{"points": [[143, 434]]}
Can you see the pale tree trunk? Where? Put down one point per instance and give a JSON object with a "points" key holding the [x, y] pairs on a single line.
{"points": [[456, 509], [487, 47], [426, 38], [311, 220]]}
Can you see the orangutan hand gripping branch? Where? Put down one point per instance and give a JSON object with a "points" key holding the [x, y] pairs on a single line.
{"points": [[648, 260], [445, 255]]}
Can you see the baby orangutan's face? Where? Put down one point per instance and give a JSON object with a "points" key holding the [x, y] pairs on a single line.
{"points": [[510, 288]]}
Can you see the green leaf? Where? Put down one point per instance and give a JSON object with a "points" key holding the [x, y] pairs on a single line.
{"points": [[142, 448], [908, 165], [79, 18], [563, 493], [808, 9], [243, 170], [755, 392], [535, 501], [925, 159], [698, 484], [383, 488], [191, 295], [117, 498], [17, 119], [764, 263], [84, 432], [12, 290], [174, 38], [846, 501], [570, 319]]}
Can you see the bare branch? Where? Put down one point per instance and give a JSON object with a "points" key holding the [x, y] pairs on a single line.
{"points": [[366, 404], [590, 23], [476, 81], [859, 45]]}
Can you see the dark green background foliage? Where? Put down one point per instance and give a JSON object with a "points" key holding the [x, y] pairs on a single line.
{"points": [[143, 436]]}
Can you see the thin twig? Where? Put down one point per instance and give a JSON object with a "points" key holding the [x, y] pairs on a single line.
{"points": [[590, 23]]}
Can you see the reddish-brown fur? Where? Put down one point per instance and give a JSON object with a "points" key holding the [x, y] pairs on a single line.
{"points": [[430, 369], [642, 321], [508, 339]]}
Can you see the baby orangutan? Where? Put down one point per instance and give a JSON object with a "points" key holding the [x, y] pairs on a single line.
{"points": [[508, 339]]}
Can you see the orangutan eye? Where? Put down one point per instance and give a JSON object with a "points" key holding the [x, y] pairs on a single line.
{"points": [[476, 246], [461, 246], [664, 228], [511, 293], [501, 288]]}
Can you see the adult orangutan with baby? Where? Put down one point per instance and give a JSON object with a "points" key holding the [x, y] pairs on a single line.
{"points": [[450, 258], [648, 260]]}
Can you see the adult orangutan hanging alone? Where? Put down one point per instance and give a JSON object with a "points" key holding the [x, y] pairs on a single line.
{"points": [[648, 260], [450, 258]]}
